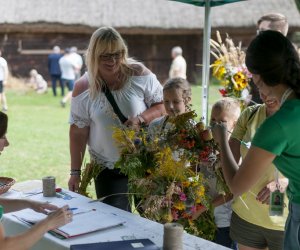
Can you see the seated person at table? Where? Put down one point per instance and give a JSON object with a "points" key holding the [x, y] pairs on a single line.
{"points": [[225, 110], [57, 218]]}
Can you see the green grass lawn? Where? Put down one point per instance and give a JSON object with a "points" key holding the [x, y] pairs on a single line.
{"points": [[38, 135]]}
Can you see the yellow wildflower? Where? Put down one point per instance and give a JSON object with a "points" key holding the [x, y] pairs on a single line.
{"points": [[179, 205], [186, 184], [200, 191], [239, 81], [167, 217]]}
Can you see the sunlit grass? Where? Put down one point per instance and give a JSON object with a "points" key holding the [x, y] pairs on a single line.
{"points": [[38, 135]]}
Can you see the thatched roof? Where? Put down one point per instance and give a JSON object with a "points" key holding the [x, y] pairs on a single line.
{"points": [[136, 16]]}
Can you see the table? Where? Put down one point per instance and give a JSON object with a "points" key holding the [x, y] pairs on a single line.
{"points": [[135, 226]]}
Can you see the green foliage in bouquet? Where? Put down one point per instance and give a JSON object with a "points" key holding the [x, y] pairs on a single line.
{"points": [[162, 168]]}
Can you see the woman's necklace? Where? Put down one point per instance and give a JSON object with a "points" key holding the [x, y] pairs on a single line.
{"points": [[285, 95]]}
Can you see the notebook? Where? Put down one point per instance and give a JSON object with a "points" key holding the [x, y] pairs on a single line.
{"points": [[138, 244], [84, 221]]}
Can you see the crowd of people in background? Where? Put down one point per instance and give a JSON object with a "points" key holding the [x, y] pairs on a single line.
{"points": [[64, 68]]}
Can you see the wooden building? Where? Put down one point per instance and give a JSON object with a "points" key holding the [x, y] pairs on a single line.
{"points": [[29, 28]]}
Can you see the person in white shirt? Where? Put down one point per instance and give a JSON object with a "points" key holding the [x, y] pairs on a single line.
{"points": [[178, 66], [68, 68], [138, 95], [78, 60], [3, 81]]}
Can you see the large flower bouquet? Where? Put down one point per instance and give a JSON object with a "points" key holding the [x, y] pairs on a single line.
{"points": [[230, 69], [162, 168]]}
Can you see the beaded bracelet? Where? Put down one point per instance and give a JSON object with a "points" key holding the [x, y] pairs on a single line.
{"points": [[75, 172]]}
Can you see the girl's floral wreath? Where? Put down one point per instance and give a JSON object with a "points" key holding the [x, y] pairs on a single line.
{"points": [[230, 69], [163, 172]]}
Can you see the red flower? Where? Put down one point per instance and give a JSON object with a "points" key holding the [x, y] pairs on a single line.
{"points": [[203, 155], [223, 92]]}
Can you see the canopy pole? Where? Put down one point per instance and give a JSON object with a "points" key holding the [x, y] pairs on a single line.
{"points": [[206, 61]]}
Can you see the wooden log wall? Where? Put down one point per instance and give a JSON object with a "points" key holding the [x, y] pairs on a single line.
{"points": [[153, 50]]}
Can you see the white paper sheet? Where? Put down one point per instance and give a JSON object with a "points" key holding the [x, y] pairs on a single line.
{"points": [[84, 221]]}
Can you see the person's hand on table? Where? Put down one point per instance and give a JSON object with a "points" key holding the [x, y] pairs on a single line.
{"points": [[59, 217], [74, 183], [41, 207]]}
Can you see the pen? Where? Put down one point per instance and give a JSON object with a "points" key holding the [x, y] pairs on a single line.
{"points": [[72, 208], [84, 212]]}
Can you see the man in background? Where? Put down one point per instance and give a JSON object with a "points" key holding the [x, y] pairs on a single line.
{"points": [[78, 61], [68, 68], [3, 81], [273, 21], [54, 70], [270, 21], [178, 66]]}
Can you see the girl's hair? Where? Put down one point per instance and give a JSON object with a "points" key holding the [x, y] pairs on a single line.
{"points": [[180, 83], [3, 123], [229, 105], [272, 56], [106, 40]]}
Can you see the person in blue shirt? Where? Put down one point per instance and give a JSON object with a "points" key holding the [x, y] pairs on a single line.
{"points": [[54, 70]]}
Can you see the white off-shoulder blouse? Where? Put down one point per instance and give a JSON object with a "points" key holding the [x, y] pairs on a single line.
{"points": [[138, 94]]}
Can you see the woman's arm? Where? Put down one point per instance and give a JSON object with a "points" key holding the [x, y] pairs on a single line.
{"points": [[78, 138], [156, 110], [11, 205], [78, 141], [240, 179], [235, 148], [26, 240], [218, 201]]}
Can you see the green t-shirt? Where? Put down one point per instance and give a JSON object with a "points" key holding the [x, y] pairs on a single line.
{"points": [[279, 135]]}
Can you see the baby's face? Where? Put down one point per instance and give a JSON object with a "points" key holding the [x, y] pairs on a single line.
{"points": [[218, 115], [174, 102]]}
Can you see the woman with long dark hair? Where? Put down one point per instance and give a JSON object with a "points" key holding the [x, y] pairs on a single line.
{"points": [[274, 64]]}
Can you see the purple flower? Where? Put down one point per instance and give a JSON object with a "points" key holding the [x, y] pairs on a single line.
{"points": [[193, 209], [137, 141], [182, 197]]}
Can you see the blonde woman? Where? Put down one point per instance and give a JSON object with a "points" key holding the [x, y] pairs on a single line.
{"points": [[138, 95]]}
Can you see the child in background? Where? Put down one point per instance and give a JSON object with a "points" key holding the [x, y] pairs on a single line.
{"points": [[226, 110], [177, 95], [38, 82]]}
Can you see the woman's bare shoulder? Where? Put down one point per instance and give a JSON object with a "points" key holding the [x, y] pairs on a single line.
{"points": [[81, 85], [139, 69]]}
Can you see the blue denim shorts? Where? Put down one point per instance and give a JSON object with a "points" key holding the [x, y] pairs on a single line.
{"points": [[292, 228]]}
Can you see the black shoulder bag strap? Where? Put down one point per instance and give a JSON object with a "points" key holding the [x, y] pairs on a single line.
{"points": [[113, 103]]}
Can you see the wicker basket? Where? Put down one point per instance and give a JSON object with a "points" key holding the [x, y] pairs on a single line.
{"points": [[5, 184]]}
